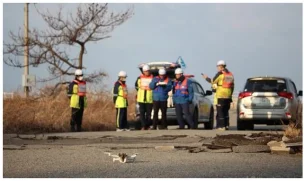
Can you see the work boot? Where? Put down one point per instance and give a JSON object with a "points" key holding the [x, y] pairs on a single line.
{"points": [[79, 128], [73, 129]]}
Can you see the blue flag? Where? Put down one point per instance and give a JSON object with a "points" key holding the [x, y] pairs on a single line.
{"points": [[181, 62]]}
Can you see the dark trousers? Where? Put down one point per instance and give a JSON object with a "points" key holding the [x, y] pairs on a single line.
{"points": [[145, 110], [121, 118], [222, 108], [76, 119], [180, 109], [162, 105]]}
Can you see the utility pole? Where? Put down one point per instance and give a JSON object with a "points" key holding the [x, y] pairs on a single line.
{"points": [[26, 49]]}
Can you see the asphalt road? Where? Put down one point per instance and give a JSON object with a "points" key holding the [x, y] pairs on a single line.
{"points": [[84, 161], [82, 155]]}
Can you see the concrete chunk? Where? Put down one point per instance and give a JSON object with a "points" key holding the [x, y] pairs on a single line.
{"points": [[279, 150], [27, 137], [273, 143], [13, 147], [164, 148], [251, 149], [226, 150], [284, 138]]}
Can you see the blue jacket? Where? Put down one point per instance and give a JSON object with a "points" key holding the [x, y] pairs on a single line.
{"points": [[160, 93], [178, 99]]}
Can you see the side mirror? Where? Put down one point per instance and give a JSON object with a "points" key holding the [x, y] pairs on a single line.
{"points": [[300, 93], [208, 93]]}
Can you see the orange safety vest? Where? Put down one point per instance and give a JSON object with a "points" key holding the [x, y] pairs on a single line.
{"points": [[145, 81], [181, 90], [228, 80], [82, 87]]}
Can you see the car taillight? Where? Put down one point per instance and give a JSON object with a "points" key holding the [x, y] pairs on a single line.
{"points": [[287, 95], [288, 114], [244, 94]]}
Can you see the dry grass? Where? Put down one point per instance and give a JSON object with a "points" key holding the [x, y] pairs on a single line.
{"points": [[52, 114], [294, 129]]}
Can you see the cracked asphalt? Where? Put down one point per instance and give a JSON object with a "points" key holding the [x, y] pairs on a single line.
{"points": [[81, 155]]}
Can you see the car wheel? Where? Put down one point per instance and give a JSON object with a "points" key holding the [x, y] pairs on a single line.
{"points": [[195, 118], [244, 125], [209, 125]]}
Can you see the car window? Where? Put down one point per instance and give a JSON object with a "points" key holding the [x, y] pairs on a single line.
{"points": [[266, 86], [194, 88], [294, 88], [200, 89]]}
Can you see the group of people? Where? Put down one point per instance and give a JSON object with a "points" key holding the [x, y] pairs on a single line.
{"points": [[152, 94]]}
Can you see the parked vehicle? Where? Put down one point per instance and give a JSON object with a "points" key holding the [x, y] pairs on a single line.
{"points": [[201, 108], [267, 100]]}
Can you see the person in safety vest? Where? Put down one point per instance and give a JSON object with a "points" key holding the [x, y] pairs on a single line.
{"points": [[78, 100], [144, 97], [223, 83], [182, 98], [161, 86], [120, 98]]}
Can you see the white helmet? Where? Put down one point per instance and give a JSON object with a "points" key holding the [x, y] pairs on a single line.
{"points": [[161, 71], [78, 72], [178, 71], [122, 74], [146, 67], [221, 62]]}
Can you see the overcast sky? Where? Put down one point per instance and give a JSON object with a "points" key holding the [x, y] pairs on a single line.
{"points": [[254, 39]]}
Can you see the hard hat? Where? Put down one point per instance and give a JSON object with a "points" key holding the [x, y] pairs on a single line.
{"points": [[146, 68], [122, 74], [161, 71], [178, 71], [221, 62], [78, 72]]}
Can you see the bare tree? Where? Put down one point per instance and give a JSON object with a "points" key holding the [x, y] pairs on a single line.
{"points": [[90, 23]]}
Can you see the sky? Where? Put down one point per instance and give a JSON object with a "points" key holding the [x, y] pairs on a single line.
{"points": [[253, 39]]}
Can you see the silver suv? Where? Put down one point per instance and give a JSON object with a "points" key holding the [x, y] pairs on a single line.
{"points": [[201, 107], [267, 100]]}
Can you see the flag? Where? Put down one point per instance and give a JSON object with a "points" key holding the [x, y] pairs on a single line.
{"points": [[181, 62]]}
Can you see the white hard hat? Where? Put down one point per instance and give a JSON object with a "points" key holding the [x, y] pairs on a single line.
{"points": [[78, 72], [221, 62], [161, 71], [146, 67], [122, 74], [178, 71]]}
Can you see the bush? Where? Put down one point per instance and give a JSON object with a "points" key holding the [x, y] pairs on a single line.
{"points": [[294, 129]]}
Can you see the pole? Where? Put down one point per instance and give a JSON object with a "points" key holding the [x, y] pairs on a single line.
{"points": [[26, 49]]}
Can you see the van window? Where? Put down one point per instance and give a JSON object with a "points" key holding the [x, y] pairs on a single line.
{"points": [[200, 89], [195, 88], [294, 88]]}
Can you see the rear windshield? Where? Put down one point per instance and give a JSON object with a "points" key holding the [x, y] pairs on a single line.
{"points": [[265, 86], [170, 71]]}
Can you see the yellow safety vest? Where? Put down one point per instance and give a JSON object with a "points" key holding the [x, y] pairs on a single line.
{"points": [[222, 92], [122, 96], [143, 89], [74, 102]]}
